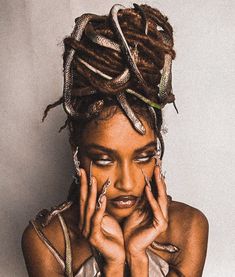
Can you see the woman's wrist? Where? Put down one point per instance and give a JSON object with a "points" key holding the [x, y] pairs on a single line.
{"points": [[114, 269], [138, 264]]}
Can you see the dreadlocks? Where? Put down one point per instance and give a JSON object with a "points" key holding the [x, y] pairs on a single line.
{"points": [[120, 60]]}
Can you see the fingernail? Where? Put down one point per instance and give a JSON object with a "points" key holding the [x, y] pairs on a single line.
{"points": [[158, 161], [103, 192], [91, 181], [146, 180], [90, 174], [100, 201], [102, 198], [148, 183], [105, 186], [148, 187]]}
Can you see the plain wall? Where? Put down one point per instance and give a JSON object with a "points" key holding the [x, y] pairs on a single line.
{"points": [[36, 165]]}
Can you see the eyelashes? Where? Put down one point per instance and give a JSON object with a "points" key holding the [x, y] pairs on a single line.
{"points": [[102, 162], [146, 158]]}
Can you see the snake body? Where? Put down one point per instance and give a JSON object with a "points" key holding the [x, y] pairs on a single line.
{"points": [[101, 40], [158, 133], [83, 24], [125, 47]]}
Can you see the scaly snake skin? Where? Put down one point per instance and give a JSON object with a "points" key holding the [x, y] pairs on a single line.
{"points": [[165, 88]]}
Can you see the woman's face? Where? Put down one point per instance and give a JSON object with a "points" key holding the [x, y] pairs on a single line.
{"points": [[121, 154]]}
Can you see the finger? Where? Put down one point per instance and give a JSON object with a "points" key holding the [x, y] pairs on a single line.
{"points": [[90, 208], [98, 216], [153, 203], [160, 222], [161, 188], [82, 198]]}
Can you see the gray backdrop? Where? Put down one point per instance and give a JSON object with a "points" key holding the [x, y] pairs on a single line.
{"points": [[36, 165]]}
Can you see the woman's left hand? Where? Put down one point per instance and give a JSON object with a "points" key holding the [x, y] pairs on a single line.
{"points": [[138, 237]]}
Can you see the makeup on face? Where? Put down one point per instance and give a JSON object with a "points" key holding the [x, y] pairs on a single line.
{"points": [[124, 201], [102, 156], [118, 152]]}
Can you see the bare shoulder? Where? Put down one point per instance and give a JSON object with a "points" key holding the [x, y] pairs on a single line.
{"points": [[188, 228], [39, 259], [187, 218]]}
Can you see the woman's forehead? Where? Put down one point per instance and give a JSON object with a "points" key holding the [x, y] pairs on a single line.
{"points": [[116, 133]]}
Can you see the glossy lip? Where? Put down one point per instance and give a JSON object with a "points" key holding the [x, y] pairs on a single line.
{"points": [[124, 198], [124, 201]]}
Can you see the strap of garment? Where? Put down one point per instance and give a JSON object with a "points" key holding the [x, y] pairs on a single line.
{"points": [[68, 249], [67, 264], [44, 239]]}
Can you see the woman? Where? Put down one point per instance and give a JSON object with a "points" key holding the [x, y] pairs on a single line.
{"points": [[118, 219]]}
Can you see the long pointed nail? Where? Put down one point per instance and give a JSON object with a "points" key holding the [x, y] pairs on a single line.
{"points": [[103, 192], [77, 162], [146, 179], [158, 162], [90, 174]]}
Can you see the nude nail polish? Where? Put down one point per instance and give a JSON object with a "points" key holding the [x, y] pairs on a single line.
{"points": [[146, 180]]}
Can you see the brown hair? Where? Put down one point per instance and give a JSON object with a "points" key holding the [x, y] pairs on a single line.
{"points": [[149, 38]]}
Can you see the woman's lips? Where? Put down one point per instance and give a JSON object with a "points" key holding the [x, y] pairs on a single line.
{"points": [[124, 202]]}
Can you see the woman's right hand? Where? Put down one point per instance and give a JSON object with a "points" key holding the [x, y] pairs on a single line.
{"points": [[101, 229]]}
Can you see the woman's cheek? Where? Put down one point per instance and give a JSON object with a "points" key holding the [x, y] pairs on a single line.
{"points": [[102, 175]]}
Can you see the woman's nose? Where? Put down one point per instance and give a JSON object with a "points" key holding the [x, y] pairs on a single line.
{"points": [[126, 178]]}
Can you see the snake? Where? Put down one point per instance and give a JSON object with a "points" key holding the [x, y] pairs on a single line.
{"points": [[80, 25], [83, 24]]}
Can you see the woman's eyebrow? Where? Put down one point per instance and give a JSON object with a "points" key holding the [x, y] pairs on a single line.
{"points": [[145, 147], [101, 148], [113, 151]]}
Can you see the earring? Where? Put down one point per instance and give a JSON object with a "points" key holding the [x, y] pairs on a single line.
{"points": [[77, 166]]}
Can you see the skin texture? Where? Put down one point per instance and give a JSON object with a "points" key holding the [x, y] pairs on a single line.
{"points": [[110, 228]]}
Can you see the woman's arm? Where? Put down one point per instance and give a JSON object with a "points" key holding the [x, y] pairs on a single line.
{"points": [[39, 260]]}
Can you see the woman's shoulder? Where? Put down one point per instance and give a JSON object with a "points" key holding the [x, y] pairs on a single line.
{"points": [[186, 217], [43, 241], [188, 229]]}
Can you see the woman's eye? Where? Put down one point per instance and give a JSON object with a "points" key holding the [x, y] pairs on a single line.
{"points": [[145, 158], [102, 162]]}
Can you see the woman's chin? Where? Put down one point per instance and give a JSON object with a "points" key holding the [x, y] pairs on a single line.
{"points": [[120, 214]]}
